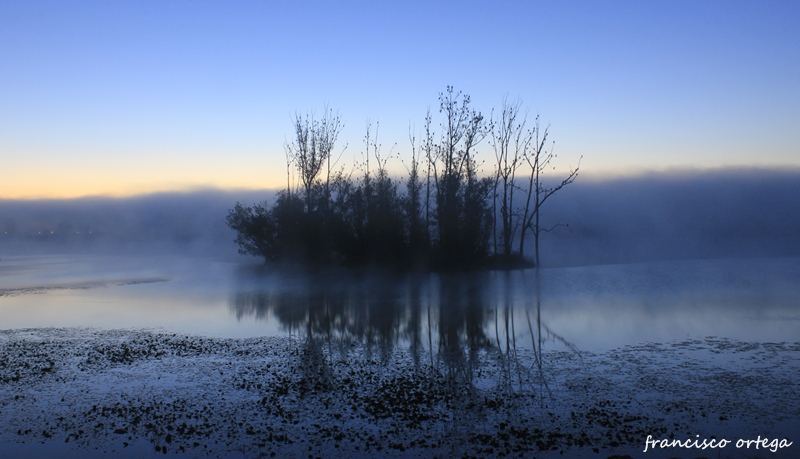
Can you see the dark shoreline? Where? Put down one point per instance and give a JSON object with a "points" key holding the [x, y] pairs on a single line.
{"points": [[100, 390]]}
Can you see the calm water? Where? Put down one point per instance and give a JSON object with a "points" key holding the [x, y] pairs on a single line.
{"points": [[592, 308], [589, 308]]}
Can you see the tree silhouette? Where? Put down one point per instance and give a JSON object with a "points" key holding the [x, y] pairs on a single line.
{"points": [[539, 160], [442, 215], [311, 149], [510, 139], [461, 212]]}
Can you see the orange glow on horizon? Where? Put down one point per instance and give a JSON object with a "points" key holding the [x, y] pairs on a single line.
{"points": [[33, 175], [53, 184]]}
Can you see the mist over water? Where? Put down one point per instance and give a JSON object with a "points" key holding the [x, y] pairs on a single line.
{"points": [[176, 223], [659, 281], [642, 259], [728, 213], [693, 215]]}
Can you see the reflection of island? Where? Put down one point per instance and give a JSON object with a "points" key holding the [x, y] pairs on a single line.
{"points": [[427, 366], [443, 320]]}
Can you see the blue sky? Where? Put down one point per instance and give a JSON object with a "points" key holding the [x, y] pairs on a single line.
{"points": [[129, 97]]}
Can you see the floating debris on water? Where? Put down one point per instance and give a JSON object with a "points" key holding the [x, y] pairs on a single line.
{"points": [[320, 397]]}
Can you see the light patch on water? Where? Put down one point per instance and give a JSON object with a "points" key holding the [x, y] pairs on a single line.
{"points": [[591, 307]]}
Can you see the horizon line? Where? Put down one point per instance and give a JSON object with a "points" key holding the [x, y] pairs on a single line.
{"points": [[585, 178]]}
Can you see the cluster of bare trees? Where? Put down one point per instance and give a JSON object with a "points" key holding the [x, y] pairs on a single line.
{"points": [[448, 212], [522, 155]]}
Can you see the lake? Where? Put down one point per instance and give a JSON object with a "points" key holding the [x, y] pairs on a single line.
{"points": [[552, 361], [591, 308]]}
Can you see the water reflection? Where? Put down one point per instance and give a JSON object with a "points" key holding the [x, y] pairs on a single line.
{"points": [[449, 321], [597, 308], [443, 321]]}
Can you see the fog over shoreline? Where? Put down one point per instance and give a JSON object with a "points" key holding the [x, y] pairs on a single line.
{"points": [[726, 213]]}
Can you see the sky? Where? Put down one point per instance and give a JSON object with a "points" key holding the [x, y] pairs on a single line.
{"points": [[124, 98]]}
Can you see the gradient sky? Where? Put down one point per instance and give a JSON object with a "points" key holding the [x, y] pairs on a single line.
{"points": [[120, 98]]}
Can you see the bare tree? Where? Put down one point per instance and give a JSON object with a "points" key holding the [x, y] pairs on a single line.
{"points": [[511, 140], [460, 195], [539, 159], [427, 147], [311, 149], [417, 229], [337, 219]]}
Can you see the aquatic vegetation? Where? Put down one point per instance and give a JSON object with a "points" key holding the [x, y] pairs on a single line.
{"points": [[299, 396]]}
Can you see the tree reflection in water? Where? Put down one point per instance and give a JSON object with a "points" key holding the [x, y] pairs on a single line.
{"points": [[444, 321]]}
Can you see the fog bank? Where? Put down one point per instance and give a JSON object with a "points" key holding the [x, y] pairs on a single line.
{"points": [[185, 222], [717, 214]]}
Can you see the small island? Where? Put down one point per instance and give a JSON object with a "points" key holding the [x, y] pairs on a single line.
{"points": [[447, 213]]}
